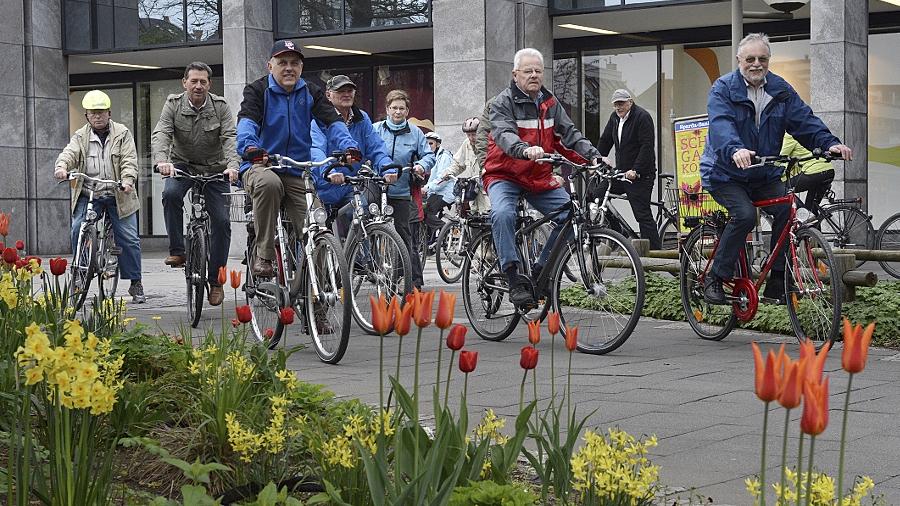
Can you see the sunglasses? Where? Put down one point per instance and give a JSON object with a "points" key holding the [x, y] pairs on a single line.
{"points": [[752, 59]]}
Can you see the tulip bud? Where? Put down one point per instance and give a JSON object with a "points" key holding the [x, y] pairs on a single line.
{"points": [[467, 361], [456, 339]]}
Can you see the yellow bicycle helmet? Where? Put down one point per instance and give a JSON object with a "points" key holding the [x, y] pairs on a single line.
{"points": [[96, 100]]}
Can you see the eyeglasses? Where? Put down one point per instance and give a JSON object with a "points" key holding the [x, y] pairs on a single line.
{"points": [[95, 114], [761, 59], [398, 108]]}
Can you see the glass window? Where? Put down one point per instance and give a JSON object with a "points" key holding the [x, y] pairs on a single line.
{"points": [[369, 13], [565, 87], [884, 125], [302, 16], [203, 20], [78, 23], [417, 80], [160, 22]]}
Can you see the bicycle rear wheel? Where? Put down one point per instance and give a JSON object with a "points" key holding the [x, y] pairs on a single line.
{"points": [[888, 239], [845, 226], [668, 234], [814, 300], [712, 322], [84, 266], [380, 260], [606, 299], [485, 291], [107, 265], [328, 302], [195, 274], [449, 252], [265, 296]]}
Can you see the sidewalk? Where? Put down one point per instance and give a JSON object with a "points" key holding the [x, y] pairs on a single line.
{"points": [[696, 396]]}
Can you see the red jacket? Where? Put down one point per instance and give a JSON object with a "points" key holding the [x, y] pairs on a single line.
{"points": [[517, 123]]}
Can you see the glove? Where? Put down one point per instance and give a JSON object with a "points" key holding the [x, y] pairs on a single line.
{"points": [[352, 155], [255, 155]]}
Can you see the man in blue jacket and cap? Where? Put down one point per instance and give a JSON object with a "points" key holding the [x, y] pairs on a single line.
{"points": [[749, 111]]}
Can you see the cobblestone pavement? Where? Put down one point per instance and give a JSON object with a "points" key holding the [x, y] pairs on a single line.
{"points": [[695, 396]]}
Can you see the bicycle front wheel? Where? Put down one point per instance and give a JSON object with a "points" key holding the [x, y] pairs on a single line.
{"points": [[888, 239], [195, 275], [711, 322], [380, 260], [485, 291], [449, 251], [265, 298], [107, 266], [606, 299], [845, 226], [328, 300], [814, 300], [84, 266], [668, 234]]}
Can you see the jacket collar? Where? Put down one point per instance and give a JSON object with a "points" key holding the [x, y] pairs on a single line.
{"points": [[398, 132], [276, 88], [521, 96], [775, 85]]}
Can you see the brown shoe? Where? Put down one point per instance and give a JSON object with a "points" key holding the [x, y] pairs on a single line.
{"points": [[216, 295], [175, 261], [262, 268]]}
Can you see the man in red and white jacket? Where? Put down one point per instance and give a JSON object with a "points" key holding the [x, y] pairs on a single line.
{"points": [[527, 122]]}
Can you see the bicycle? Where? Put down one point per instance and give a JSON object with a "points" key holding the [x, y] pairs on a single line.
{"points": [[666, 215], [604, 300], [845, 225], [310, 277], [95, 254], [374, 249], [888, 239], [812, 290], [196, 241], [457, 232]]}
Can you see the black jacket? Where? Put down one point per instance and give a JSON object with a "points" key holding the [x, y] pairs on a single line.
{"points": [[637, 149]]}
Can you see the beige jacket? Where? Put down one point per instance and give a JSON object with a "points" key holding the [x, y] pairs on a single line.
{"points": [[204, 139], [465, 164], [124, 164]]}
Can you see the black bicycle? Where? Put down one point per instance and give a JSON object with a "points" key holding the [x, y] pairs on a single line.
{"points": [[457, 232], [888, 239], [666, 215]]}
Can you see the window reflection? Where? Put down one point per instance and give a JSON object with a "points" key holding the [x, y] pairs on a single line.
{"points": [[369, 13], [565, 87], [203, 20], [160, 22], [884, 125], [302, 16], [295, 17], [417, 80]]}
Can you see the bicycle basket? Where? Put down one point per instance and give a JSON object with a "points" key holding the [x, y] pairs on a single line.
{"points": [[693, 205], [236, 202]]}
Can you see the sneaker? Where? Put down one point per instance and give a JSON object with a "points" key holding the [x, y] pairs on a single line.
{"points": [[216, 295], [175, 261], [713, 293], [136, 290], [323, 326]]}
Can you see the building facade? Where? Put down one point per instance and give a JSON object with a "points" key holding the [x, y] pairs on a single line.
{"points": [[451, 55]]}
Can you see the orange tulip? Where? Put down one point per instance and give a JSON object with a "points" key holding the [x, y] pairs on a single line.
{"points": [[856, 346], [766, 380], [534, 332], [382, 315], [424, 303], [815, 363], [815, 408], [446, 304], [791, 391], [403, 318], [571, 337], [223, 276], [553, 323], [4, 224], [235, 279]]}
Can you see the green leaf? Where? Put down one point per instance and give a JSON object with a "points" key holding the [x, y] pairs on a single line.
{"points": [[195, 495]]}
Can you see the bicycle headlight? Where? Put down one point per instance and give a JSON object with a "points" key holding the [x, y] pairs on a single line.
{"points": [[388, 210], [319, 216], [374, 209]]}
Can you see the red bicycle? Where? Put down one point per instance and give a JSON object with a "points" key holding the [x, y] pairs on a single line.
{"points": [[812, 288]]}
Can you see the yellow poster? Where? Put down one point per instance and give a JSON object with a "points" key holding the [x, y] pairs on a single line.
{"points": [[690, 139]]}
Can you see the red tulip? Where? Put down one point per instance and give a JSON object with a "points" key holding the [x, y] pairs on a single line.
{"points": [[815, 408], [58, 266], [766, 377], [382, 314], [791, 390], [10, 256], [553, 323], [243, 313], [856, 346], [424, 302], [4, 224], [20, 245], [29, 258], [21, 263], [286, 315], [235, 322], [235, 279], [571, 337], [223, 275], [268, 333], [456, 339], [468, 360], [446, 305], [534, 332], [403, 320], [815, 363], [529, 358]]}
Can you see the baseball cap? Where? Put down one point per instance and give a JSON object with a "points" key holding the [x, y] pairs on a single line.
{"points": [[620, 95], [339, 81], [285, 46]]}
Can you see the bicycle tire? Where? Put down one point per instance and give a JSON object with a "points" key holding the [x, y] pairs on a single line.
{"points": [[329, 264], [84, 266], [195, 274], [845, 226], [710, 322], [888, 239], [813, 281], [383, 268], [107, 271], [669, 234], [484, 299], [265, 299], [605, 285], [448, 251]]}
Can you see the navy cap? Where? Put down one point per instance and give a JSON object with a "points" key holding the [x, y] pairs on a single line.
{"points": [[285, 46]]}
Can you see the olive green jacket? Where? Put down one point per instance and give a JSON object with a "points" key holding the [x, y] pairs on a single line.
{"points": [[124, 164], [205, 140]]}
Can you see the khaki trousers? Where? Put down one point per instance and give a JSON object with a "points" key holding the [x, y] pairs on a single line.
{"points": [[267, 189]]}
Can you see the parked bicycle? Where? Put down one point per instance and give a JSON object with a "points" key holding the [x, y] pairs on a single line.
{"points": [[666, 215], [812, 288], [844, 224], [196, 261], [95, 253], [593, 277], [311, 277], [888, 239]]}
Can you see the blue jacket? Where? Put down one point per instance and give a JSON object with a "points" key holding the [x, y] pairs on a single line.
{"points": [[732, 126], [370, 144], [278, 121], [403, 146], [444, 160]]}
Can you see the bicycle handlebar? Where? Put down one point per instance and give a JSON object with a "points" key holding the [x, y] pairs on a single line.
{"points": [[81, 175], [817, 153], [182, 174], [604, 170]]}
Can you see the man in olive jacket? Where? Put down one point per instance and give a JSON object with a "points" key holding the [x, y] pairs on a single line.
{"points": [[105, 149], [196, 132]]}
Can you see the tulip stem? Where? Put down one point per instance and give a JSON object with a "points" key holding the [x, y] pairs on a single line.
{"points": [[466, 386], [569, 389], [809, 470], [843, 441], [397, 372], [787, 419], [450, 368], [799, 466], [437, 372], [415, 424], [762, 461], [380, 371], [522, 390], [553, 368]]}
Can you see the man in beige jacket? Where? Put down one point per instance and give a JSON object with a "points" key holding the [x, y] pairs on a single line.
{"points": [[105, 149]]}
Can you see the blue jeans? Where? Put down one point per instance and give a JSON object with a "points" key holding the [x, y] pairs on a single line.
{"points": [[125, 231], [504, 196], [738, 199], [219, 222]]}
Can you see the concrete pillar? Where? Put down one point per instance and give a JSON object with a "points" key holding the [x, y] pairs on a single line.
{"points": [[247, 38], [839, 51], [474, 44], [34, 98]]}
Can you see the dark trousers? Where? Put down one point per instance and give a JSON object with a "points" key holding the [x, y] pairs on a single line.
{"points": [[403, 209], [434, 208], [738, 199], [815, 186], [639, 193], [219, 222]]}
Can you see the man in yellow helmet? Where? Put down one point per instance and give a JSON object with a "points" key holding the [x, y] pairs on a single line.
{"points": [[105, 149]]}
